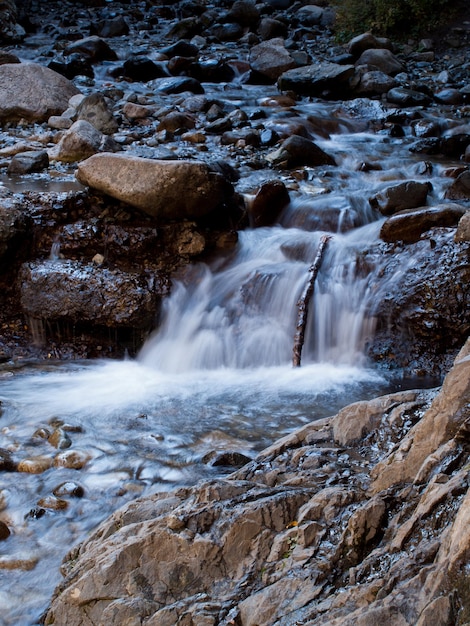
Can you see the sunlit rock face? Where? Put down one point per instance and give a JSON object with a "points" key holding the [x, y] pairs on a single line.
{"points": [[151, 184]]}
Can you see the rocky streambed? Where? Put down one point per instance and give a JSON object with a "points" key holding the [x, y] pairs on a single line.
{"points": [[173, 168], [258, 100]]}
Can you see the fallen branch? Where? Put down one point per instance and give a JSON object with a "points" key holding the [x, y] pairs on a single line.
{"points": [[304, 301]]}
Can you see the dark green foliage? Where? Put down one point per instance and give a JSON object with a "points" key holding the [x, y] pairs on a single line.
{"points": [[396, 18]]}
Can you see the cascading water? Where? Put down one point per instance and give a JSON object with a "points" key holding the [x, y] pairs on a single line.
{"points": [[242, 312]]}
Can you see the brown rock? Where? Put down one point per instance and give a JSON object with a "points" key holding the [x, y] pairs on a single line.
{"points": [[408, 226], [463, 228], [163, 189], [268, 202], [35, 464], [357, 420], [73, 459], [442, 420], [460, 188], [4, 531]]}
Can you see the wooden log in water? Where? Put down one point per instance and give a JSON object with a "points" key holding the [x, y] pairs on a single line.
{"points": [[304, 301]]}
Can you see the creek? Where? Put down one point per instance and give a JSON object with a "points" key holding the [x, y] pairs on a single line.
{"points": [[217, 375]]}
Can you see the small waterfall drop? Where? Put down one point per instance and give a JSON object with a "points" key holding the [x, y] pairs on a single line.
{"points": [[242, 314]]}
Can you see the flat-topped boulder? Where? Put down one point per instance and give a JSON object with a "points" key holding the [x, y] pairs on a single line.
{"points": [[167, 190], [32, 92], [409, 225], [320, 79], [85, 292]]}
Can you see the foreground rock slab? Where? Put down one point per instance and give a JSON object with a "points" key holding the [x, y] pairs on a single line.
{"points": [[32, 92], [336, 524], [163, 189]]}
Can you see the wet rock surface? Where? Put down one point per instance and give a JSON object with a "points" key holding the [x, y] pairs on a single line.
{"points": [[335, 524]]}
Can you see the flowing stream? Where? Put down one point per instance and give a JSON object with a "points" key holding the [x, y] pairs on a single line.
{"points": [[217, 375]]}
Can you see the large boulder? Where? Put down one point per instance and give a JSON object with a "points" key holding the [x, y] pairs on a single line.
{"points": [[168, 190], [80, 292], [422, 309], [32, 92]]}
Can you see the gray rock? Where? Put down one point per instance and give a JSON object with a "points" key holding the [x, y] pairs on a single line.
{"points": [[382, 60], [408, 226], [95, 109], [80, 141], [296, 151], [28, 162], [449, 96], [407, 195], [244, 12], [270, 28], [408, 97], [460, 188], [310, 15], [32, 92], [271, 59], [112, 27], [317, 80], [178, 84], [375, 82], [163, 189], [94, 48], [359, 44]]}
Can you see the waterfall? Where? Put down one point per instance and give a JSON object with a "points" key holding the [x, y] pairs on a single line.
{"points": [[242, 312]]}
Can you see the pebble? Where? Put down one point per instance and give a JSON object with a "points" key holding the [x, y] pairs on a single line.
{"points": [[72, 459], [53, 503]]}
